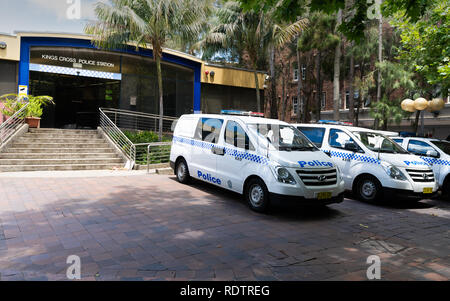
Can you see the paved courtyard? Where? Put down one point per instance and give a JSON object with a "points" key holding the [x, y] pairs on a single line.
{"points": [[149, 227]]}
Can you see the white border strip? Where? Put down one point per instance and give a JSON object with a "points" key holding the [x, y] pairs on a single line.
{"points": [[75, 72]]}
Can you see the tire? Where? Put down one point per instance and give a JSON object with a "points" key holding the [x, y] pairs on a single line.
{"points": [[182, 172], [446, 189], [368, 189], [257, 195]]}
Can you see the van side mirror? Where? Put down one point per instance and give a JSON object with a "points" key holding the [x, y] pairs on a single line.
{"points": [[351, 146], [432, 153]]}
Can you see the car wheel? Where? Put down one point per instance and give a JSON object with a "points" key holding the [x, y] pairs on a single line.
{"points": [[446, 189], [182, 172], [257, 195], [368, 189]]}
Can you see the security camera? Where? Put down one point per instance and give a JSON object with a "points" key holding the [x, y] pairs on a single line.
{"points": [[3, 45], [267, 77]]}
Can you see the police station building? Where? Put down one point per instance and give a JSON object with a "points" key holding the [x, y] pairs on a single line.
{"points": [[81, 78]]}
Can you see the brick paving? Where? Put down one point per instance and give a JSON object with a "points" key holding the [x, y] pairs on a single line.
{"points": [[149, 227]]}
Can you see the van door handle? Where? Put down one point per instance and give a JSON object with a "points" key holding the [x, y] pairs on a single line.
{"points": [[218, 151]]}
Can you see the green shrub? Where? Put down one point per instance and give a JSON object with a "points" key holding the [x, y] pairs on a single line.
{"points": [[141, 136]]}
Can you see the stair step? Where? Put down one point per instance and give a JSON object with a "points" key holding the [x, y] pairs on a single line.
{"points": [[18, 168], [4, 162], [63, 150], [59, 140], [63, 136], [62, 131], [59, 145], [105, 155], [59, 149]]}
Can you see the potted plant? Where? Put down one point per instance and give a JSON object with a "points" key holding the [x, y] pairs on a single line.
{"points": [[12, 103]]}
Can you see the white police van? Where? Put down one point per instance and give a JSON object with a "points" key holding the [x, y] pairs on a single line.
{"points": [[372, 164], [266, 160], [435, 152]]}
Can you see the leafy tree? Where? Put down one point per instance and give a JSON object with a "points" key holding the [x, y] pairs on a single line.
{"points": [[252, 33], [394, 76], [145, 22], [321, 38], [244, 33], [426, 43], [353, 26]]}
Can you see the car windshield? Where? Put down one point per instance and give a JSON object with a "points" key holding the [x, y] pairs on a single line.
{"points": [[443, 146], [379, 143], [283, 137]]}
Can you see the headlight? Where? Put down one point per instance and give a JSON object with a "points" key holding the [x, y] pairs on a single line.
{"points": [[395, 173], [284, 176]]}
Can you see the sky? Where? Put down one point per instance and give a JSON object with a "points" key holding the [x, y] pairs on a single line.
{"points": [[46, 15]]}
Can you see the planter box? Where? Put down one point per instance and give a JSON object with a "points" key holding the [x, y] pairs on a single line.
{"points": [[33, 122]]}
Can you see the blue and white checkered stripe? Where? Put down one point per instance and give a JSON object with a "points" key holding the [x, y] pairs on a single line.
{"points": [[228, 151], [75, 71], [352, 156], [436, 161]]}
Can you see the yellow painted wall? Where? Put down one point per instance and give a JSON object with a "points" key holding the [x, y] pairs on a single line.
{"points": [[231, 77], [12, 51]]}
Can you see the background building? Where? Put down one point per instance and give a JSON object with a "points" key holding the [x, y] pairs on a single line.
{"points": [[82, 78]]}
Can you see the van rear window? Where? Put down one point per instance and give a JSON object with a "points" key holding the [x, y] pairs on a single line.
{"points": [[314, 134]]}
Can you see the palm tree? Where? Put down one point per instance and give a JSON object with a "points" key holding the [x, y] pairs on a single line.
{"points": [[143, 23], [241, 32]]}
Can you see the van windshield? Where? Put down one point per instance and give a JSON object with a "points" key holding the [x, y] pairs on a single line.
{"points": [[443, 146], [283, 137], [379, 143]]}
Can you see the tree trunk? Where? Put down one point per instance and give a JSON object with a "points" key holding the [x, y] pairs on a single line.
{"points": [[273, 86], [160, 89], [300, 105], [351, 109], [337, 65], [380, 59], [283, 98], [318, 86], [258, 95]]}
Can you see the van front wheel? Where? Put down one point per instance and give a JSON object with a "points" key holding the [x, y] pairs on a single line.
{"points": [[182, 172], [257, 195], [368, 189]]}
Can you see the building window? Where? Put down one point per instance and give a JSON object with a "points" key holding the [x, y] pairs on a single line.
{"points": [[295, 105], [303, 72], [295, 75], [323, 102]]}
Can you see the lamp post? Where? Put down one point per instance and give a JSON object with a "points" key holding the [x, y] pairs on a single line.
{"points": [[420, 105]]}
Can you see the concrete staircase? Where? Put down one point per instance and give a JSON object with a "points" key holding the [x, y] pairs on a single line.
{"points": [[56, 149]]}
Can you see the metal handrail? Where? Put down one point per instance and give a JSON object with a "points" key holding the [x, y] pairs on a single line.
{"points": [[149, 145], [138, 114], [118, 137], [139, 121], [11, 125]]}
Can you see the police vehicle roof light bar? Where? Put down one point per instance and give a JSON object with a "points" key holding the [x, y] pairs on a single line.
{"points": [[242, 113]]}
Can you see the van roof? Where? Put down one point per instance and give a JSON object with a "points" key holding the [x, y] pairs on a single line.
{"points": [[349, 128], [245, 119]]}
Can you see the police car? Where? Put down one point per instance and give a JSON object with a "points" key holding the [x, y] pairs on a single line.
{"points": [[266, 160], [435, 152], [372, 164]]}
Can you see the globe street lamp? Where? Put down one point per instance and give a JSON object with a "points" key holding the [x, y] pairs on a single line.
{"points": [[420, 105]]}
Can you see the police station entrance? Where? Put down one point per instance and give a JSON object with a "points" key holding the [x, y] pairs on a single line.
{"points": [[79, 80], [77, 99]]}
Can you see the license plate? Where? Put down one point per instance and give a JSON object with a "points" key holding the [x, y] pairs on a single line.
{"points": [[324, 195], [428, 190]]}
